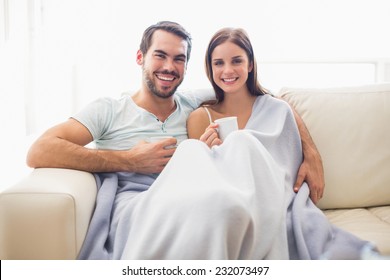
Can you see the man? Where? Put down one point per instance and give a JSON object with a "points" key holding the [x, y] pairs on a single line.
{"points": [[121, 129], [164, 53]]}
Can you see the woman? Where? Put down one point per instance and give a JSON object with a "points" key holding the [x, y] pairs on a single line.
{"points": [[260, 161], [232, 70]]}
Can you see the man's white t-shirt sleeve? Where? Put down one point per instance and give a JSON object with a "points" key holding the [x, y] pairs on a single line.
{"points": [[96, 116]]}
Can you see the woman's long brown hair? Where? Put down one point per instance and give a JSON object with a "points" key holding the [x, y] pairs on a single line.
{"points": [[239, 37]]}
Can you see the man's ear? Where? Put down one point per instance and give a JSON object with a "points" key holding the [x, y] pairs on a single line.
{"points": [[140, 57]]}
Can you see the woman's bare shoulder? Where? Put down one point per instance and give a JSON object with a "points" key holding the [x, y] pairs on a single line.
{"points": [[197, 123]]}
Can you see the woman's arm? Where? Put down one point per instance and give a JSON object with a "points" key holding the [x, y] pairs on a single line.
{"points": [[199, 127]]}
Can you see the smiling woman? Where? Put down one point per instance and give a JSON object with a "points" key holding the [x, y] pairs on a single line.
{"points": [[55, 60]]}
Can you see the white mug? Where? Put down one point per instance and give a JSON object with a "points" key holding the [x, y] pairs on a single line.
{"points": [[226, 126]]}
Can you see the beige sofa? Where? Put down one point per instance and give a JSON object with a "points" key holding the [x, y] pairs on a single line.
{"points": [[46, 215], [351, 128]]}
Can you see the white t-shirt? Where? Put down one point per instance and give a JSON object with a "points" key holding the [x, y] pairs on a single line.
{"points": [[119, 124]]}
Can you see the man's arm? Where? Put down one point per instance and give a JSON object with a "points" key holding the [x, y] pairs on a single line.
{"points": [[311, 169], [63, 147]]}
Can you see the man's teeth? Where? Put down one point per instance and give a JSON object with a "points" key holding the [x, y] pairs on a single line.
{"points": [[165, 78]]}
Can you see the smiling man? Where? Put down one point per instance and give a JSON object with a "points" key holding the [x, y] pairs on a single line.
{"points": [[163, 64], [168, 54], [120, 128]]}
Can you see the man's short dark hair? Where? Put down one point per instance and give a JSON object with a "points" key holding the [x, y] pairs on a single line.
{"points": [[169, 26]]}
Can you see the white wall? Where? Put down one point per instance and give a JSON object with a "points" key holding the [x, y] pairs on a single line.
{"points": [[81, 49]]}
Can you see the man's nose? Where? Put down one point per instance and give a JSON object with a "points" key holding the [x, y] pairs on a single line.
{"points": [[169, 64]]}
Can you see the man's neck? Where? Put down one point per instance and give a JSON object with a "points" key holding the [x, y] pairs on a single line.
{"points": [[162, 108]]}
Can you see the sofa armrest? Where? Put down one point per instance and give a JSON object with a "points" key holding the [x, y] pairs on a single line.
{"points": [[47, 214]]}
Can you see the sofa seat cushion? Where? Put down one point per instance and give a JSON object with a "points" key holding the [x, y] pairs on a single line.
{"points": [[367, 223]]}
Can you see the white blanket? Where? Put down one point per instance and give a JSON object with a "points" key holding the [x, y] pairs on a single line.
{"points": [[234, 201]]}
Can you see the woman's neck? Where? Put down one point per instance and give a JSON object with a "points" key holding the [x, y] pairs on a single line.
{"points": [[236, 104]]}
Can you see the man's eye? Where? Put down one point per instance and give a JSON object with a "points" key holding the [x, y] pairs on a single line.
{"points": [[180, 59]]}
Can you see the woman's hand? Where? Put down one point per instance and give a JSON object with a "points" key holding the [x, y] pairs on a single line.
{"points": [[210, 136]]}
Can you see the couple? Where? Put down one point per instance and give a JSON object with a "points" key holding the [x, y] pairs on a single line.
{"points": [[241, 199]]}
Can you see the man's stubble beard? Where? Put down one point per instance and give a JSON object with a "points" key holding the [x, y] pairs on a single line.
{"points": [[151, 86]]}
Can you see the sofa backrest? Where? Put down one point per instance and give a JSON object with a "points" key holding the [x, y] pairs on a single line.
{"points": [[351, 128]]}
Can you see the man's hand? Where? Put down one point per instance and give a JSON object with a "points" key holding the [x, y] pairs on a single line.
{"points": [[311, 171], [151, 157]]}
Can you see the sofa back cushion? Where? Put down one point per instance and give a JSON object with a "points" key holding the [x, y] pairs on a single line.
{"points": [[351, 128]]}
